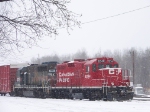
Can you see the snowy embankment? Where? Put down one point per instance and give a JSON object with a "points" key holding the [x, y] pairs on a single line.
{"points": [[21, 104]]}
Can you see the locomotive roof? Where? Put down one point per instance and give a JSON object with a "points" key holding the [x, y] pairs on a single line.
{"points": [[90, 61], [49, 62], [19, 65]]}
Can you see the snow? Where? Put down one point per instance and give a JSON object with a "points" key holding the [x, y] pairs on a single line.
{"points": [[22, 104]]}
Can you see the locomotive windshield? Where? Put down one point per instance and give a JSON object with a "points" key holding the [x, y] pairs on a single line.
{"points": [[108, 66], [116, 66], [100, 66]]}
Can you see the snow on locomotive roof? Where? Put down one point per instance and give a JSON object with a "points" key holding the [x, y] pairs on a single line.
{"points": [[49, 62], [18, 65], [71, 61], [90, 61]]}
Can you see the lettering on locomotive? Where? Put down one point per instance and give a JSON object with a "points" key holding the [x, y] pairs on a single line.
{"points": [[62, 76], [66, 74], [87, 76], [111, 71], [63, 79]]}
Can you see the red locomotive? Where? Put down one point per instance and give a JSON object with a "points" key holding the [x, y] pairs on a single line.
{"points": [[98, 78], [94, 79]]}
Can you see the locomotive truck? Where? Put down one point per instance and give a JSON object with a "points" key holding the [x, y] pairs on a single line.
{"points": [[93, 79]]}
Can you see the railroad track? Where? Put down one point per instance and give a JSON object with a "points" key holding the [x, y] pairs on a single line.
{"points": [[142, 99]]}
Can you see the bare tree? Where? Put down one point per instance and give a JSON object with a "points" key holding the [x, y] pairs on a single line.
{"points": [[80, 54], [24, 22]]}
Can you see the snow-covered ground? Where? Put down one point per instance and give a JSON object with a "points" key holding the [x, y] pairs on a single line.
{"points": [[22, 104]]}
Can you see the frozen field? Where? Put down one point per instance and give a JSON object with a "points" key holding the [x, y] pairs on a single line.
{"points": [[21, 104]]}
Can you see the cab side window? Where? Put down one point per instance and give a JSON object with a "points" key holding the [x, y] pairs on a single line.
{"points": [[94, 67], [87, 68]]}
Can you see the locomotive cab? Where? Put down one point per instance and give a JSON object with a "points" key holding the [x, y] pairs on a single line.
{"points": [[96, 70], [104, 73]]}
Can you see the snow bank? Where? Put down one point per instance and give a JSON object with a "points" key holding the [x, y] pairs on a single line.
{"points": [[21, 104]]}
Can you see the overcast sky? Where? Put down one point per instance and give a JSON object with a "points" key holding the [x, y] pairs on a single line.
{"points": [[115, 33]]}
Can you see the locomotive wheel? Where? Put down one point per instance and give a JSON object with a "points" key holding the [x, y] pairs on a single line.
{"points": [[129, 96], [11, 93], [118, 98], [92, 96], [41, 94]]}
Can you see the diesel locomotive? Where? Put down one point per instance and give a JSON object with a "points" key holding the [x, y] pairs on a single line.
{"points": [[94, 79]]}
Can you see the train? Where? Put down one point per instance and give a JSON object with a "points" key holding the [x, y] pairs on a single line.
{"points": [[94, 79]]}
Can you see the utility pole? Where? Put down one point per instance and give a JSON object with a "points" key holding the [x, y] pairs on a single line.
{"points": [[38, 59], [133, 65]]}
